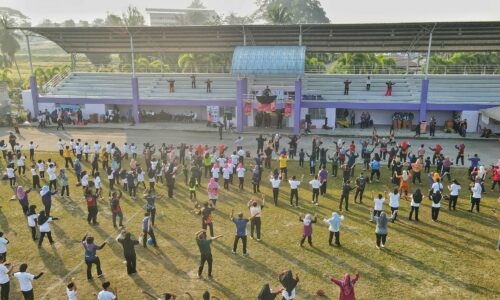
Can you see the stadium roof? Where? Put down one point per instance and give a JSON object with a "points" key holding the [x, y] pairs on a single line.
{"points": [[389, 37]]}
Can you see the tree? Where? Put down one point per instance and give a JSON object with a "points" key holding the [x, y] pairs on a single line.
{"points": [[196, 16], [362, 63], [83, 23], [99, 59], [98, 22], [9, 41], [133, 17], [113, 20], [301, 11], [278, 14], [69, 23], [234, 19]]}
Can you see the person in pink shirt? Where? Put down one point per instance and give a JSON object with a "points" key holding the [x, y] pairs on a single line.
{"points": [[346, 286]]}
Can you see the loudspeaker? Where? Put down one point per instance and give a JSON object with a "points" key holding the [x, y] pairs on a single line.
{"points": [[308, 118]]}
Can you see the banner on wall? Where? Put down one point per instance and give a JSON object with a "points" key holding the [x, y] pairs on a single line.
{"points": [[288, 109], [248, 108]]}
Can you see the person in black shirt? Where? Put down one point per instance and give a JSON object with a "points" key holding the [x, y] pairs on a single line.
{"points": [[347, 82], [388, 91], [128, 250], [260, 144], [346, 189], [360, 187], [205, 251], [302, 155]]}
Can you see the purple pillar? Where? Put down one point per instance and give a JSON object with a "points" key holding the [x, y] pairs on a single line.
{"points": [[34, 94], [296, 106], [424, 92], [135, 99], [241, 90]]}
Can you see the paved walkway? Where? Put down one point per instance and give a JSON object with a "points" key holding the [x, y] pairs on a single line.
{"points": [[338, 132]]}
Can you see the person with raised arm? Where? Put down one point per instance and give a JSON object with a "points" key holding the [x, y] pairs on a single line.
{"points": [[346, 286], [241, 231], [25, 280], [381, 227], [91, 255], [205, 251]]}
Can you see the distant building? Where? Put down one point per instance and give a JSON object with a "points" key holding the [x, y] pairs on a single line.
{"points": [[172, 17]]}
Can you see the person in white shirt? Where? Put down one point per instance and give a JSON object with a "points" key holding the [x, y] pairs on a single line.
{"points": [[25, 280], [44, 226], [238, 143], [315, 184], [394, 203], [97, 148], [60, 147], [275, 183], [437, 187], [126, 150], [21, 165], [11, 174], [379, 202], [3, 246], [416, 199], [41, 168], [255, 216], [454, 192], [32, 218], [215, 172], [241, 175], [32, 148], [476, 189], [133, 150], [86, 150], [78, 151], [294, 191], [334, 228], [97, 184], [368, 83], [106, 294], [51, 171], [436, 205], [71, 291], [85, 181], [5, 270], [226, 174]]}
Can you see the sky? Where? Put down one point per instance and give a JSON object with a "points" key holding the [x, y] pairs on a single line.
{"points": [[339, 11]]}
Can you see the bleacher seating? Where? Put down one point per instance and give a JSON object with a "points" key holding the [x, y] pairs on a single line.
{"points": [[453, 89], [151, 86]]}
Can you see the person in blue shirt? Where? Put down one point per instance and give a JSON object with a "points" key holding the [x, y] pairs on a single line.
{"points": [[241, 232], [375, 166], [474, 162]]}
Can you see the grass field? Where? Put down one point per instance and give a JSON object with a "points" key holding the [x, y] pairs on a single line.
{"points": [[454, 258]]}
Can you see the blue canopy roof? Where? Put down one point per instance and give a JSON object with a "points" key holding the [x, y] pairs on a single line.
{"points": [[269, 60]]}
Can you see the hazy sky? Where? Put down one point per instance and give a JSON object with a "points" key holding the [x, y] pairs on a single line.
{"points": [[339, 11]]}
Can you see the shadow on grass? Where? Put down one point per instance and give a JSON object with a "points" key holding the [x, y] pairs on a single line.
{"points": [[53, 261], [474, 288]]}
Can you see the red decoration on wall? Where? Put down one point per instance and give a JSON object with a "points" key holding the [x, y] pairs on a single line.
{"points": [[248, 108]]}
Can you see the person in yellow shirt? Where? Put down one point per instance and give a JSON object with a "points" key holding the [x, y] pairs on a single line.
{"points": [[67, 156], [283, 165]]}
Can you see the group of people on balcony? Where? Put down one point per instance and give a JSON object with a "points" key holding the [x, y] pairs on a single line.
{"points": [[388, 90], [171, 84]]}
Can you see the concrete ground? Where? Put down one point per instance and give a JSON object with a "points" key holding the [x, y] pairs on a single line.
{"points": [[174, 133]]}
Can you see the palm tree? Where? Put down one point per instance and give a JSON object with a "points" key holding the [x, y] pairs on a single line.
{"points": [[278, 14], [9, 42], [5, 77]]}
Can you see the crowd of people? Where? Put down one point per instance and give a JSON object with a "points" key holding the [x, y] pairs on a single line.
{"points": [[115, 170]]}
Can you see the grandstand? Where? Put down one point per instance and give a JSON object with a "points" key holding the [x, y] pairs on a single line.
{"points": [[273, 55]]}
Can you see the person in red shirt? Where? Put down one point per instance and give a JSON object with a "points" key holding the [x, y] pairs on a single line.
{"points": [[114, 201], [92, 207], [437, 152], [495, 177], [346, 286], [460, 154]]}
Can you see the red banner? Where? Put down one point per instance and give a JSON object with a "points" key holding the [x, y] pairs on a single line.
{"points": [[264, 107], [288, 109], [248, 108]]}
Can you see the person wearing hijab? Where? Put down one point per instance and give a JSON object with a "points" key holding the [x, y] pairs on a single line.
{"points": [[404, 182], [436, 205], [213, 191], [255, 215], [267, 294], [481, 176], [46, 195], [91, 255], [256, 177], [22, 196], [289, 284], [128, 250], [307, 228], [346, 286], [44, 223], [454, 189], [334, 228], [416, 199], [381, 227], [476, 190]]}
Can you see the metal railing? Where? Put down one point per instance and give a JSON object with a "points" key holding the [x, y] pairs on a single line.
{"points": [[55, 80], [354, 69]]}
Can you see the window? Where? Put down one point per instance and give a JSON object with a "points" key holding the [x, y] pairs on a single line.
{"points": [[317, 113]]}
